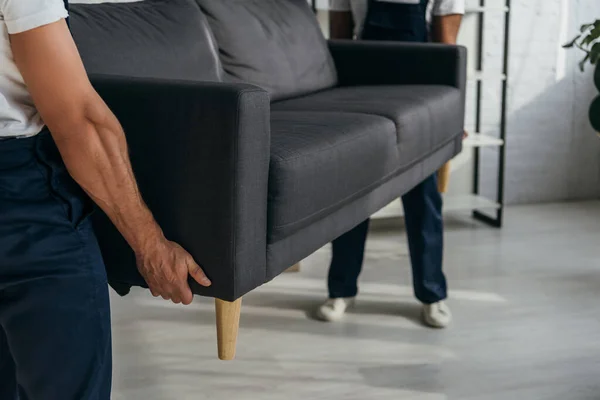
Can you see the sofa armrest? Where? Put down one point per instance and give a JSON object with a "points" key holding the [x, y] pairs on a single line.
{"points": [[399, 63], [200, 152]]}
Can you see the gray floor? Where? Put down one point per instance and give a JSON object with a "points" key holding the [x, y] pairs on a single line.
{"points": [[527, 325]]}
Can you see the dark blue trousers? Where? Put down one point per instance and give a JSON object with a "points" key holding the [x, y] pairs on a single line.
{"points": [[55, 341], [425, 231], [422, 206]]}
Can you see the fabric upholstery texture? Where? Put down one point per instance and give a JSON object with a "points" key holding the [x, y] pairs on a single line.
{"points": [[275, 44], [319, 161], [167, 39], [200, 152], [425, 116], [385, 63], [302, 243]]}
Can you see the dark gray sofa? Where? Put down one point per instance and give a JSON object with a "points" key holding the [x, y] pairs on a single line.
{"points": [[254, 140]]}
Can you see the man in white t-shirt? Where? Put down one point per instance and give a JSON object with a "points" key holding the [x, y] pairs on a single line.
{"points": [[348, 16], [61, 148], [397, 20]]}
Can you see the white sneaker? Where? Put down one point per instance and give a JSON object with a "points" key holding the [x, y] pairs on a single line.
{"points": [[437, 315], [334, 309]]}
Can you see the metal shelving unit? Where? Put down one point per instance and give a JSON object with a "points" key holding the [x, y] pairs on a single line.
{"points": [[496, 218]]}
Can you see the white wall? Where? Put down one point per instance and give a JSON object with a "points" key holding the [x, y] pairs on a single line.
{"points": [[553, 153]]}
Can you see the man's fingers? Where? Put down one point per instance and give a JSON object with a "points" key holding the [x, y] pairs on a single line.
{"points": [[186, 296], [184, 293], [198, 275], [169, 273]]}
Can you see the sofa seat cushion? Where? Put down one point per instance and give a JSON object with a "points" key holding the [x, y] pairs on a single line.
{"points": [[321, 161], [146, 39], [275, 44], [426, 116]]}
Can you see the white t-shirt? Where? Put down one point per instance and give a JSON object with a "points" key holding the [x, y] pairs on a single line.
{"points": [[18, 116], [434, 8]]}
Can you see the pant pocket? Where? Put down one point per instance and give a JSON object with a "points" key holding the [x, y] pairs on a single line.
{"points": [[76, 204]]}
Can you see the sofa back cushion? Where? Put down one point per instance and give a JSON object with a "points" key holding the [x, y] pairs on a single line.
{"points": [[275, 44], [167, 39]]}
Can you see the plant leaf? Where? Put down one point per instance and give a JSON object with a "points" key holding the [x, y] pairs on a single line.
{"points": [[585, 27], [571, 43], [582, 62], [595, 53], [587, 40]]}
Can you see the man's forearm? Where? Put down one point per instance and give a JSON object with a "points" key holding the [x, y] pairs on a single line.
{"points": [[93, 147], [97, 158], [446, 28]]}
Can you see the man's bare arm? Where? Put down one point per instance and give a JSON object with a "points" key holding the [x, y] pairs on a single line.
{"points": [[446, 28], [341, 25], [94, 149]]}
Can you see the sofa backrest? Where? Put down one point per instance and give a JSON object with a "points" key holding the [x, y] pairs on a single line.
{"points": [[275, 44], [167, 39]]}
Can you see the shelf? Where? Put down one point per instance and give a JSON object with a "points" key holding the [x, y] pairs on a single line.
{"points": [[466, 202], [463, 202], [485, 76], [474, 10], [482, 140]]}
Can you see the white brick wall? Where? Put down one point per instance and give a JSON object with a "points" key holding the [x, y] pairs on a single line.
{"points": [[553, 154]]}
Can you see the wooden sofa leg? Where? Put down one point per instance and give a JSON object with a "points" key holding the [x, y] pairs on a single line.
{"points": [[228, 322], [294, 268], [444, 178]]}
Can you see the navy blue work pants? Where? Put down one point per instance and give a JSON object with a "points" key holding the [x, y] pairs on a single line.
{"points": [[55, 340], [425, 231]]}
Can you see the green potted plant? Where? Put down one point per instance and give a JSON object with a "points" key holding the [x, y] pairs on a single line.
{"points": [[589, 42]]}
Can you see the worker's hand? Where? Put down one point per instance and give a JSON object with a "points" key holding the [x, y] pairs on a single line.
{"points": [[166, 266], [465, 135]]}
